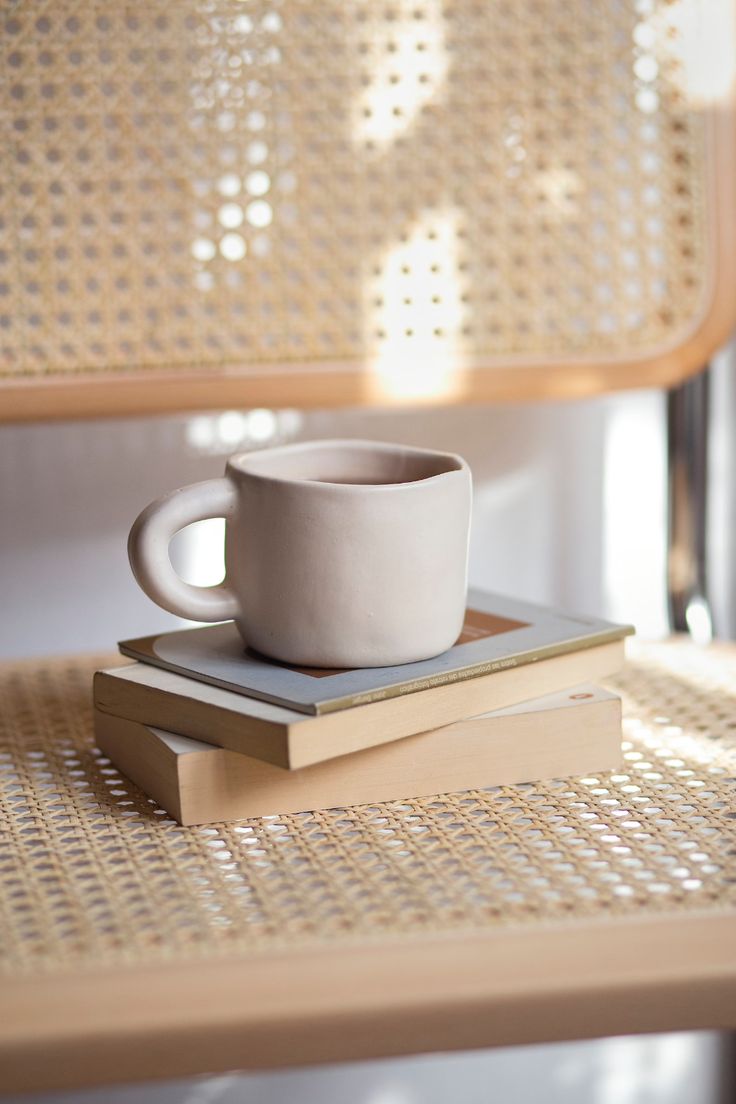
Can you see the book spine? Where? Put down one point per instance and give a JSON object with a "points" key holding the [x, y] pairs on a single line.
{"points": [[488, 667]]}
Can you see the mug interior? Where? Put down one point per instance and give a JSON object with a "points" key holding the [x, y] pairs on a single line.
{"points": [[348, 463]]}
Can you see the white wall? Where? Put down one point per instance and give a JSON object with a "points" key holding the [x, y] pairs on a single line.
{"points": [[721, 521], [654, 1069]]}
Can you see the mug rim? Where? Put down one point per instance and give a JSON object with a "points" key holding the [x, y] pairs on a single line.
{"points": [[238, 465]]}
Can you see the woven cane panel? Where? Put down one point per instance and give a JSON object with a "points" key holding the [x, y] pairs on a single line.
{"points": [[212, 184], [92, 872]]}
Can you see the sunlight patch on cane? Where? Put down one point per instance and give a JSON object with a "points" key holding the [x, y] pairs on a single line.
{"points": [[407, 62], [416, 312]]}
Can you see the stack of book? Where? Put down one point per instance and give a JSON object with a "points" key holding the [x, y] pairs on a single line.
{"points": [[215, 732]]}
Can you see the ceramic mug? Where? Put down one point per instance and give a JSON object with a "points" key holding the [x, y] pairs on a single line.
{"points": [[338, 553]]}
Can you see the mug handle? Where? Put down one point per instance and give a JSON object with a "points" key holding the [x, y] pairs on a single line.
{"points": [[148, 550]]}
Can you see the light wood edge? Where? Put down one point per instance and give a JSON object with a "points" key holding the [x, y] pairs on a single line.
{"points": [[460, 991], [329, 385]]}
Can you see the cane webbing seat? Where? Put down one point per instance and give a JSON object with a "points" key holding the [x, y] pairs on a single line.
{"points": [[132, 947], [292, 203]]}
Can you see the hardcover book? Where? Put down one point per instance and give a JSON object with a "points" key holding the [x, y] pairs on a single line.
{"points": [[498, 633], [576, 732], [293, 739]]}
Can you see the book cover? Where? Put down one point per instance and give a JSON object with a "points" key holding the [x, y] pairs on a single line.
{"points": [[575, 732], [154, 696], [498, 633]]}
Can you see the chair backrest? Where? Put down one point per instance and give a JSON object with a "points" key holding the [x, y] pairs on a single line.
{"points": [[286, 202]]}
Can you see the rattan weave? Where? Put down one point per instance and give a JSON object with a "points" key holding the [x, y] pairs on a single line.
{"points": [[93, 875], [413, 187]]}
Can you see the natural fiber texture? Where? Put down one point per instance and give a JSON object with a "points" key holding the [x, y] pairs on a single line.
{"points": [[93, 874], [210, 183]]}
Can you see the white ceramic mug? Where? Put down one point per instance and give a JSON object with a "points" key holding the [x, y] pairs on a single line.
{"points": [[338, 553]]}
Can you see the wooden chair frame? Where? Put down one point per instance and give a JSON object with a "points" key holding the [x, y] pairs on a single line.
{"points": [[325, 383]]}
